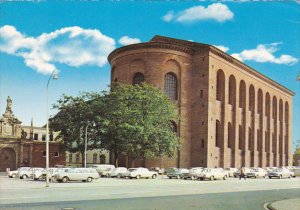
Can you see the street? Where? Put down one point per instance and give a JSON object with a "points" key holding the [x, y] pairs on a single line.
{"points": [[106, 193]]}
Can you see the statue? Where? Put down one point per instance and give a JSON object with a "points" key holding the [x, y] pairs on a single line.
{"points": [[8, 105]]}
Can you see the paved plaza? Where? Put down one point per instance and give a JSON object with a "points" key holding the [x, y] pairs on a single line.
{"points": [[161, 193]]}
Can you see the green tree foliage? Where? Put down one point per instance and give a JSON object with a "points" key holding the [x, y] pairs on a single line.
{"points": [[131, 120], [137, 122], [74, 114]]}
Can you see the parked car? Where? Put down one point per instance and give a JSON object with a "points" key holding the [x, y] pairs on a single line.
{"points": [[24, 174], [176, 172], [106, 172], [103, 167], [158, 170], [256, 173], [140, 173], [77, 174], [238, 172], [41, 174], [35, 171], [193, 173], [117, 172], [213, 173], [15, 173], [231, 171], [280, 173]]}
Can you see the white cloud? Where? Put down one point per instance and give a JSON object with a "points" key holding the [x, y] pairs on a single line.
{"points": [[221, 47], [265, 53], [126, 40], [169, 16], [217, 11], [73, 46]]}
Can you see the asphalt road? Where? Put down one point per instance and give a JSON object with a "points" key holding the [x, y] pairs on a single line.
{"points": [[146, 194]]}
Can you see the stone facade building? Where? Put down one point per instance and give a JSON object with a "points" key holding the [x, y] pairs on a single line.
{"points": [[25, 145], [230, 114], [96, 156]]}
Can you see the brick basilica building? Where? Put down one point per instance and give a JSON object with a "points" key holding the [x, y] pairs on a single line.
{"points": [[25, 145], [230, 114]]}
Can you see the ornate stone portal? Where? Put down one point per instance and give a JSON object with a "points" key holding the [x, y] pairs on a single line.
{"points": [[25, 145]]}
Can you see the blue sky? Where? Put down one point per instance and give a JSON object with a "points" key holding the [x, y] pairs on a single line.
{"points": [[38, 37]]}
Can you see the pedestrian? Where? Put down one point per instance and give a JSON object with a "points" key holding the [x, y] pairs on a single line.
{"points": [[243, 173]]}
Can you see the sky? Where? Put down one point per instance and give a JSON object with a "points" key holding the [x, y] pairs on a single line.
{"points": [[74, 39]]}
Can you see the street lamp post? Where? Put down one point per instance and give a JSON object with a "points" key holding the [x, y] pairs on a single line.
{"points": [[85, 142], [52, 76]]}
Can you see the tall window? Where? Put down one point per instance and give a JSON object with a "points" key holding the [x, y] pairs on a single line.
{"points": [[138, 79], [70, 158], [44, 137], [102, 159], [36, 136], [95, 158], [218, 133], [77, 158], [171, 86]]}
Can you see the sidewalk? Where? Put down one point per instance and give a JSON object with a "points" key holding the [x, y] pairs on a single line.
{"points": [[286, 204]]}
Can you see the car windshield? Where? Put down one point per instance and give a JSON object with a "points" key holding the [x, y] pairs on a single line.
{"points": [[277, 170], [132, 169]]}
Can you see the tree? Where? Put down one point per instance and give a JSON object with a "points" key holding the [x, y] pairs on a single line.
{"points": [[74, 114], [137, 121]]}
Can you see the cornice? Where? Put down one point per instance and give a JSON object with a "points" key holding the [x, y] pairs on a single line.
{"points": [[248, 69], [150, 45]]}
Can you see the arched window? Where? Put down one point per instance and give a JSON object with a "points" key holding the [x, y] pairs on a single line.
{"points": [[138, 79], [95, 158], [102, 159], [220, 90], [173, 127], [171, 86], [218, 136], [77, 158], [70, 158]]}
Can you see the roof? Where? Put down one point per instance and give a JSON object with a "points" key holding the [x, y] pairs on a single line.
{"points": [[191, 48]]}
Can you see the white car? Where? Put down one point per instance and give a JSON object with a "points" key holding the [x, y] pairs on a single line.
{"points": [[231, 171], [256, 173], [237, 174], [107, 172], [13, 174], [24, 174], [117, 172], [103, 167], [36, 171], [280, 173], [193, 173], [77, 174], [140, 173], [213, 173]]}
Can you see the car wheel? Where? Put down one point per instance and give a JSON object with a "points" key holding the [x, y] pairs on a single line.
{"points": [[65, 179], [154, 176], [270, 177], [35, 179], [24, 176], [212, 178], [89, 179], [138, 177], [170, 177]]}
